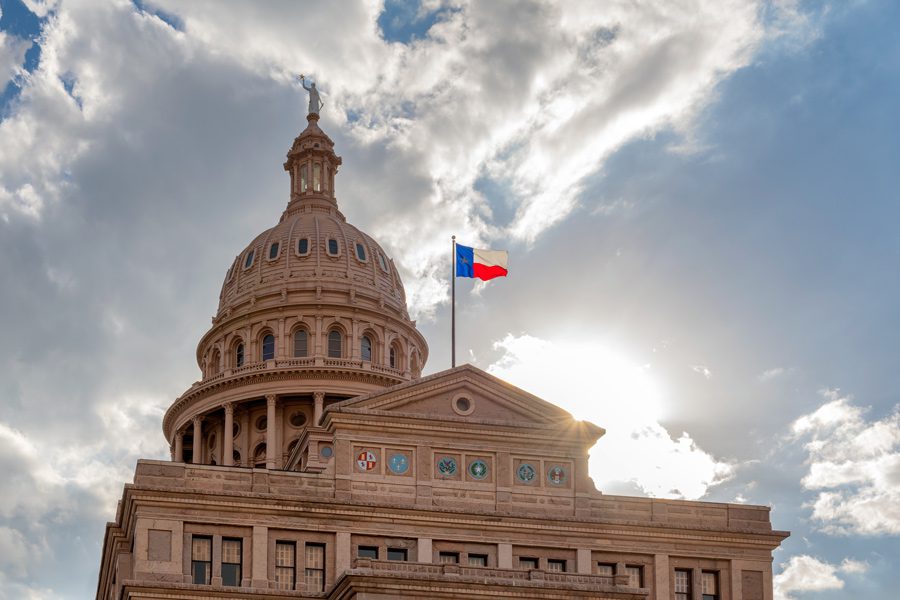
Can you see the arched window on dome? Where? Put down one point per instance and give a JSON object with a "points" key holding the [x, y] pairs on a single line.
{"points": [[273, 250], [333, 248], [268, 347], [365, 348], [303, 246], [239, 355], [360, 252], [248, 262], [394, 356], [335, 343], [215, 362], [259, 456], [301, 343], [382, 262]]}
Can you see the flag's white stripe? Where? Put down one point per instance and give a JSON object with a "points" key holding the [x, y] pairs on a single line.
{"points": [[491, 258]]}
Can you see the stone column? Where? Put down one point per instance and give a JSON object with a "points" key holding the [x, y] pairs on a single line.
{"points": [[319, 398], [198, 433], [270, 431], [179, 447], [342, 553], [583, 561], [424, 550], [228, 436], [661, 576]]}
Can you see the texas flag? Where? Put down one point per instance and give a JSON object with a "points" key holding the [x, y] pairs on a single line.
{"points": [[480, 263]]}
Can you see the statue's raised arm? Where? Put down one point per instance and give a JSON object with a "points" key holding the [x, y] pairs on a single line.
{"points": [[315, 103]]}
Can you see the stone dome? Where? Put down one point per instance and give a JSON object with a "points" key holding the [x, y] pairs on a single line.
{"points": [[311, 312]]}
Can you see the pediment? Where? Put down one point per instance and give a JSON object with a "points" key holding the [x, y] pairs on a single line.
{"points": [[466, 394]]}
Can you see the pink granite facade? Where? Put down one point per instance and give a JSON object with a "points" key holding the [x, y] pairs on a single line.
{"points": [[312, 460]]}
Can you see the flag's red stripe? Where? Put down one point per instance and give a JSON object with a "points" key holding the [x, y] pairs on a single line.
{"points": [[485, 272]]}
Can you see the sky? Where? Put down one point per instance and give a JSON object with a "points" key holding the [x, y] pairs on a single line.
{"points": [[699, 198]]}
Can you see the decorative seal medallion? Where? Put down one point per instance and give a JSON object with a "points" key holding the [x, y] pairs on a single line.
{"points": [[478, 469], [525, 473], [398, 463], [366, 461], [447, 466], [556, 475]]}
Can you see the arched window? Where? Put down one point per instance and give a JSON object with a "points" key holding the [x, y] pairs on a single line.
{"points": [[335, 341], [273, 250], [268, 347], [333, 248], [249, 260], [303, 246], [236, 458], [301, 347], [239, 355], [215, 363], [392, 358], [360, 252], [259, 456], [365, 348]]}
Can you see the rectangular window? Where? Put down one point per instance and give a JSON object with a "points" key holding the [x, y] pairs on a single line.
{"points": [[314, 574], [201, 560], [607, 569], [317, 177], [231, 561], [709, 582], [556, 564], [682, 584], [528, 562], [367, 552], [635, 575], [398, 554], [448, 558], [285, 565], [478, 560]]}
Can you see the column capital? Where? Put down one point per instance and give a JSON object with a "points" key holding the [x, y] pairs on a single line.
{"points": [[196, 420], [319, 396], [229, 408], [270, 399]]}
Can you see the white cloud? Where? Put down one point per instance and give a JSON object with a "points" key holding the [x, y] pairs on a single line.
{"points": [[854, 464], [702, 370], [804, 573], [598, 384], [773, 373]]}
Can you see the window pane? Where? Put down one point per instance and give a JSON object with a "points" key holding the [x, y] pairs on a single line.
{"points": [[367, 552], [231, 574], [284, 578], [201, 560], [334, 344], [239, 355], [397, 554], [449, 558], [303, 246], [273, 250], [393, 358], [200, 573], [201, 548], [332, 246], [382, 262], [285, 562], [526, 562], [300, 343], [317, 178], [249, 260], [709, 584], [478, 560], [606, 569], [360, 252], [304, 178], [635, 576], [366, 348], [268, 347], [556, 565]]}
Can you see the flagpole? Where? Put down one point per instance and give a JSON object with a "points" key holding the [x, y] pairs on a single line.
{"points": [[453, 306]]}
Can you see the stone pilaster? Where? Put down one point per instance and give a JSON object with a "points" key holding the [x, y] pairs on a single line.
{"points": [[198, 434], [271, 449], [318, 408], [228, 436]]}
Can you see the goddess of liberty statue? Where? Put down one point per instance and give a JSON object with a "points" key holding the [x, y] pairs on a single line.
{"points": [[315, 104]]}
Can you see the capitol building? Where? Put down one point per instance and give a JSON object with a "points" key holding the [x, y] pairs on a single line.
{"points": [[312, 459]]}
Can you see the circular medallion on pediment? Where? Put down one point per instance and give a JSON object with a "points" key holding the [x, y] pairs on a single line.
{"points": [[556, 475], [447, 466], [478, 469], [526, 473], [398, 463], [326, 451], [366, 460]]}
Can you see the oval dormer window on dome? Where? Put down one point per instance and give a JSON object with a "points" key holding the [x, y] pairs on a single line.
{"points": [[248, 262], [360, 252], [303, 246], [335, 343], [268, 347], [301, 346], [273, 250], [365, 348], [239, 355], [333, 248], [382, 262]]}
